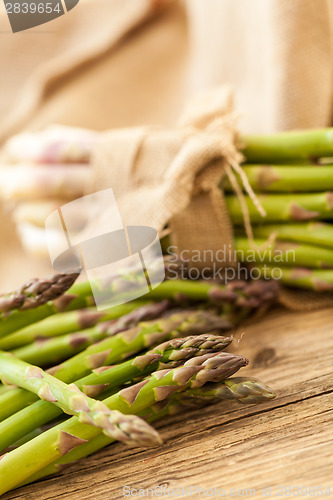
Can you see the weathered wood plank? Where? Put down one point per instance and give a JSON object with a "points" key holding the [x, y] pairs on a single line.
{"points": [[287, 442]]}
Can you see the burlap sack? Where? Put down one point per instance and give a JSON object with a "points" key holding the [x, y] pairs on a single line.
{"points": [[173, 177], [277, 55]]}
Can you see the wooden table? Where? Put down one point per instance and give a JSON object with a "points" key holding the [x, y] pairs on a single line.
{"points": [[287, 442]]}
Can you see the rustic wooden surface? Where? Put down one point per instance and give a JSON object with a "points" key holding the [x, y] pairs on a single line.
{"points": [[287, 442]]}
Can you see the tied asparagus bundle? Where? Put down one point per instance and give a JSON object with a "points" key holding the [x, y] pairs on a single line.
{"points": [[291, 174], [171, 353], [242, 389], [117, 348], [57, 442], [109, 386]]}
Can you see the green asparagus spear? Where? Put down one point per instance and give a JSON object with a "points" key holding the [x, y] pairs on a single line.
{"points": [[49, 352], [283, 253], [244, 389], [168, 355], [171, 354], [13, 317], [63, 323], [314, 233], [54, 350], [155, 412], [14, 400], [146, 334], [5, 388], [28, 437], [37, 292], [240, 294], [119, 347], [19, 464], [39, 430], [299, 277], [292, 145], [284, 207], [286, 179], [74, 402]]}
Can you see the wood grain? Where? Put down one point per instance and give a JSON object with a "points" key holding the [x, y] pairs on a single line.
{"points": [[286, 442]]}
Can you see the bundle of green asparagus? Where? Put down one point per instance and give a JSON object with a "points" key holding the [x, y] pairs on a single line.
{"points": [[120, 369], [292, 175]]}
